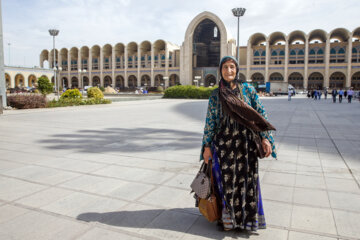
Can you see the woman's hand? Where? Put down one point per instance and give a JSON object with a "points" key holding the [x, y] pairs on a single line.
{"points": [[266, 146], [207, 154]]}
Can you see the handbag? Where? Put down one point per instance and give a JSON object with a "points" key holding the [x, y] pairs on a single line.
{"points": [[201, 185], [259, 148], [208, 207]]}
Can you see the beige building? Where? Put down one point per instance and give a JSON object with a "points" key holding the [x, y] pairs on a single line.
{"points": [[25, 77], [306, 60]]}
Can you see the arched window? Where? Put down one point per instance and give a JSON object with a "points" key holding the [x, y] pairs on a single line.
{"points": [[263, 53], [256, 54], [354, 50], [312, 52], [341, 51], [333, 51], [282, 53], [292, 53], [320, 51], [274, 53], [301, 52]]}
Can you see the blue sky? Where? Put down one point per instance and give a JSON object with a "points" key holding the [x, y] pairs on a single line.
{"points": [[90, 22]]}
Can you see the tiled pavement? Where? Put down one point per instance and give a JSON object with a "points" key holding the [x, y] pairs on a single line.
{"points": [[122, 171]]}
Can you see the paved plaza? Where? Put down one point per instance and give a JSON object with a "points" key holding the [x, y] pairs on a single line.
{"points": [[122, 171]]}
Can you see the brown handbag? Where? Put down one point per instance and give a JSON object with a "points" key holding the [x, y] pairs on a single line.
{"points": [[259, 148], [208, 207]]}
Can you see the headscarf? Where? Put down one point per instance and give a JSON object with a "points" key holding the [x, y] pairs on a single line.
{"points": [[236, 108]]}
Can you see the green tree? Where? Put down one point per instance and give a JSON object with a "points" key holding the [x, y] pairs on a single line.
{"points": [[44, 85]]}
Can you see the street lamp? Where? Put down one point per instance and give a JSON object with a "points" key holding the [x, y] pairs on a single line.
{"points": [[197, 79], [238, 12], [165, 78], [53, 33]]}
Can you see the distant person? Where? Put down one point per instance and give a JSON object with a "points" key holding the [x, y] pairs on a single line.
{"points": [[315, 94], [345, 93], [308, 94], [350, 95], [325, 93], [334, 93], [319, 94], [341, 94], [289, 94]]}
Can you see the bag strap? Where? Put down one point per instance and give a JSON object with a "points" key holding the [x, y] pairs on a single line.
{"points": [[211, 178]]}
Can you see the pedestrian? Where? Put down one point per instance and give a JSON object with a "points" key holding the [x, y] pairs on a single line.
{"points": [[308, 94], [345, 93], [289, 94], [334, 93], [350, 95], [315, 94], [319, 94], [228, 141], [341, 93], [325, 93]]}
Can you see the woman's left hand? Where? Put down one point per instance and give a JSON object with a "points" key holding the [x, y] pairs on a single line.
{"points": [[266, 146]]}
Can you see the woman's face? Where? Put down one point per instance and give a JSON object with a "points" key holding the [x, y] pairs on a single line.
{"points": [[228, 70]]}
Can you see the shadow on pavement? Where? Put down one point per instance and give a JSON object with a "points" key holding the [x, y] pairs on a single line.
{"points": [[125, 140], [163, 219]]}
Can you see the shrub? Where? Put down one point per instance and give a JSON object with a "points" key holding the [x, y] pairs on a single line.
{"points": [[72, 93], [188, 92], [159, 89], [22, 101], [95, 92], [44, 85], [102, 88], [65, 102]]}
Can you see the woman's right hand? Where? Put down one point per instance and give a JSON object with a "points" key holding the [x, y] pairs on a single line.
{"points": [[207, 154]]}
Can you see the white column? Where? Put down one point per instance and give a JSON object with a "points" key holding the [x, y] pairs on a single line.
{"points": [[79, 63], [138, 66], [152, 66], [166, 84], [267, 61], [349, 57], [286, 59], [327, 61], [69, 69], [306, 70]]}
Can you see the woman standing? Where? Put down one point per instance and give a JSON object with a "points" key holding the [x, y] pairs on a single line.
{"points": [[229, 140]]}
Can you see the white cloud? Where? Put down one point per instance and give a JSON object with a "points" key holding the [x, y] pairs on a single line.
{"points": [[90, 22]]}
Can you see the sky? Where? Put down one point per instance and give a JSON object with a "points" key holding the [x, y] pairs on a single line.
{"points": [[90, 22]]}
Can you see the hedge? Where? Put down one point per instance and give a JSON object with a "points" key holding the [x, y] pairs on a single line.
{"points": [[188, 92], [26, 101]]}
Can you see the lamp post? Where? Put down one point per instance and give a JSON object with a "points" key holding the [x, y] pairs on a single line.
{"points": [[197, 79], [165, 79], [238, 12], [9, 44], [54, 33]]}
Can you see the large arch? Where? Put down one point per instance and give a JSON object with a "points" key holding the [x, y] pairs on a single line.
{"points": [[44, 56], [32, 80], [119, 55], [19, 80], [95, 55], [159, 47], [317, 35], [355, 81], [119, 82], [159, 80], [315, 81], [174, 80], [132, 81], [258, 78], [337, 80], [85, 53], [65, 82], [296, 36], [206, 44], [51, 58], [8, 80], [276, 76], [86, 81], [132, 50], [107, 55], [340, 34], [74, 55], [64, 59], [210, 80], [145, 52], [107, 81], [145, 80], [96, 81], [257, 38], [74, 82], [277, 37], [296, 79]]}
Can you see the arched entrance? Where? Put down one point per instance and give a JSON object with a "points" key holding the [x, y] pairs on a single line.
{"points": [[159, 81], [296, 80], [32, 81], [119, 82], [206, 44], [74, 82], [19, 81], [107, 81], [8, 80], [132, 81], [337, 80], [210, 80], [316, 81], [276, 77], [96, 81], [242, 77], [258, 78], [174, 80], [85, 81], [65, 82], [355, 81], [145, 81]]}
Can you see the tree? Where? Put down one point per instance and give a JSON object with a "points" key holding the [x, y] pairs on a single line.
{"points": [[44, 85]]}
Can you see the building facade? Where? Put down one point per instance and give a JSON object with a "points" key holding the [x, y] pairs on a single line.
{"points": [[25, 77], [314, 60]]}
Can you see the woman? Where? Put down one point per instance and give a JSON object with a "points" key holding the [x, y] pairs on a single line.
{"points": [[229, 140]]}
